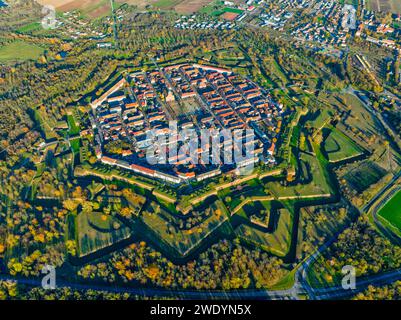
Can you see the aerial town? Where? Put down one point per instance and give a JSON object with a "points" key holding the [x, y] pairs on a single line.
{"points": [[197, 97], [200, 150]]}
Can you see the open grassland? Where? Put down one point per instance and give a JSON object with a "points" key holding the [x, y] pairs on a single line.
{"points": [[74, 128], [364, 175], [19, 51], [191, 6], [339, 147], [392, 210], [46, 123], [359, 125], [96, 231], [313, 172], [320, 119], [30, 27], [393, 6], [183, 241], [278, 240]]}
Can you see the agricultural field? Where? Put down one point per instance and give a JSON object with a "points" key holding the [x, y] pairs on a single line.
{"points": [[19, 51], [89, 8], [99, 8], [391, 211], [393, 6], [92, 8], [190, 6], [30, 27]]}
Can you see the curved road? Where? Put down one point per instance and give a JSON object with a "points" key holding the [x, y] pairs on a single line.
{"points": [[300, 287]]}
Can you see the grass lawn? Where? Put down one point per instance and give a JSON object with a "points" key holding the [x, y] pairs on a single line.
{"points": [[320, 275], [75, 145], [97, 231], [212, 7], [46, 123], [339, 147], [74, 129], [34, 26], [286, 282], [238, 194], [277, 242], [184, 241], [315, 169], [233, 10], [392, 210], [320, 119], [166, 4], [19, 51], [365, 175]]}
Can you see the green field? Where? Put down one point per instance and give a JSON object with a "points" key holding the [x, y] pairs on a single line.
{"points": [[74, 128], [355, 3], [34, 26], [96, 231], [217, 8], [19, 51], [183, 241], [320, 118], [314, 172], [392, 210], [75, 145], [166, 4], [365, 175], [277, 241], [46, 123], [252, 188], [339, 147]]}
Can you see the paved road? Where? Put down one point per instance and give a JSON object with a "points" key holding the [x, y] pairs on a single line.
{"points": [[293, 293]]}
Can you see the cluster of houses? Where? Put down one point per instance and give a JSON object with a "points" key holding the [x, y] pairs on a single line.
{"points": [[381, 34], [192, 23], [141, 109], [277, 16], [371, 23], [227, 17], [328, 30], [70, 23]]}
